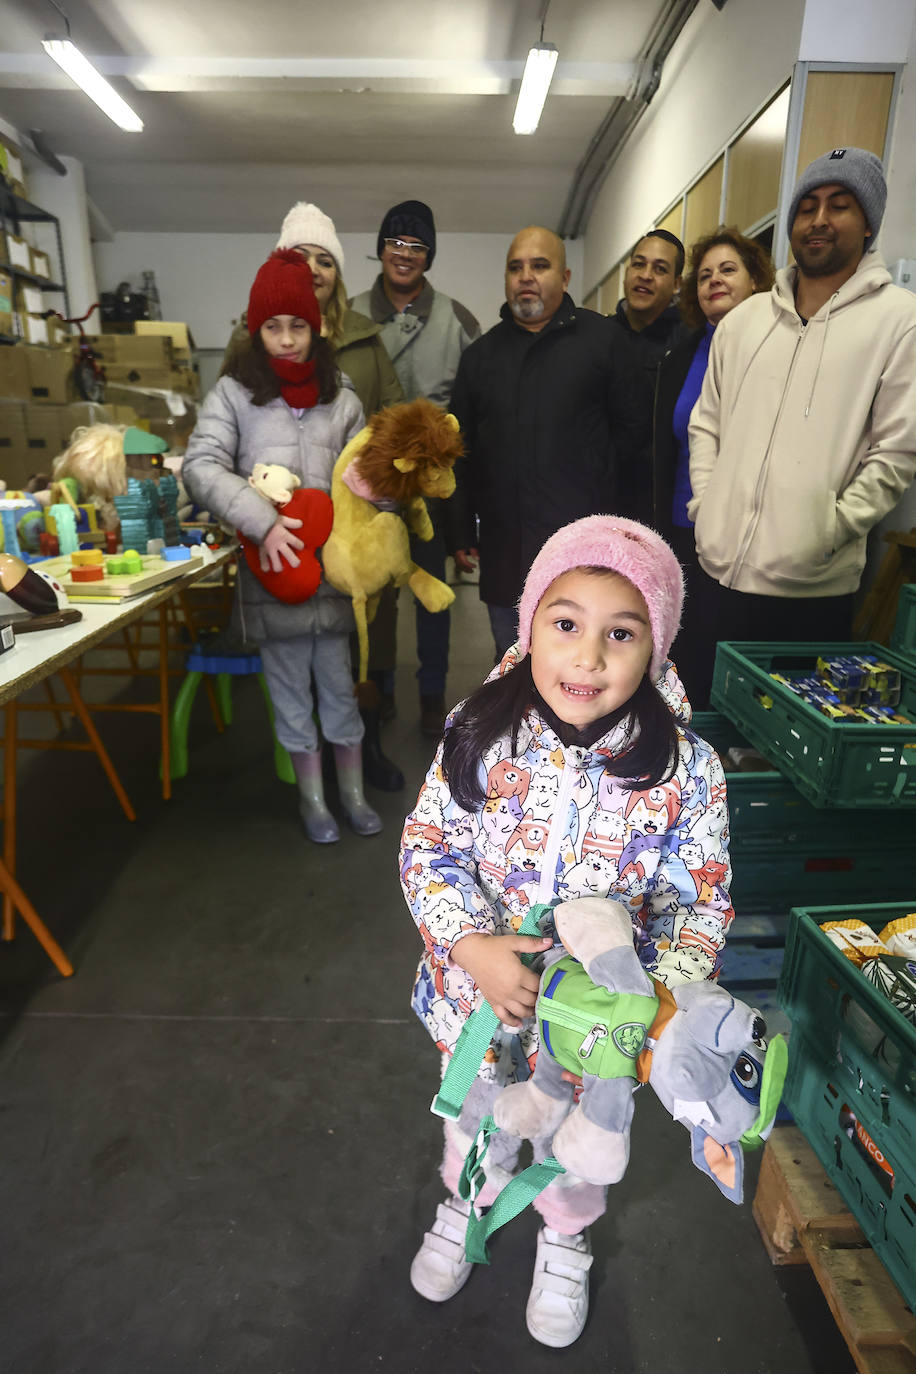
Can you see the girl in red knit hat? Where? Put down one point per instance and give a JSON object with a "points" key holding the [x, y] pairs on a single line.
{"points": [[282, 401]]}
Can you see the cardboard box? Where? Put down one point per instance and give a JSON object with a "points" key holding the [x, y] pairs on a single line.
{"points": [[6, 303], [12, 424], [83, 413], [14, 372], [18, 252], [16, 464], [51, 379], [132, 374], [41, 264], [34, 330], [145, 406], [120, 414], [176, 330], [11, 166], [44, 427], [29, 300], [131, 350]]}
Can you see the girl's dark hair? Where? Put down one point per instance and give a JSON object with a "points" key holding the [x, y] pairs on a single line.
{"points": [[249, 365], [756, 259], [497, 709]]}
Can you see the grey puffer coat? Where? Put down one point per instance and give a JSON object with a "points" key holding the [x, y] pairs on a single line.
{"points": [[230, 436]]}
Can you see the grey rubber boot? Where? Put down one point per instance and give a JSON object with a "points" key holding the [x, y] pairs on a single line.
{"points": [[349, 760], [320, 825]]}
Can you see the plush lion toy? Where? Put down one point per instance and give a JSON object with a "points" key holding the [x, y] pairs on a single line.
{"points": [[405, 453]]}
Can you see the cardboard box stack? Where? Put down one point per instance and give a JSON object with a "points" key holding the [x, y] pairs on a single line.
{"points": [[156, 357], [39, 410]]}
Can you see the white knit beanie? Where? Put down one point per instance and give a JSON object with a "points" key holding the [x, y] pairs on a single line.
{"points": [[305, 223]]}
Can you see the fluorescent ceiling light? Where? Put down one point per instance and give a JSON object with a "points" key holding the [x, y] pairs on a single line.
{"points": [[68, 56], [536, 79]]}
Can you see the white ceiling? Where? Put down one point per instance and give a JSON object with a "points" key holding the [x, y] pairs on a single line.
{"points": [[249, 106]]}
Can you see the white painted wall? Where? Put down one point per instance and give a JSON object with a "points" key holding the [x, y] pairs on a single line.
{"points": [[724, 66], [204, 279], [65, 197], [879, 30], [898, 232]]}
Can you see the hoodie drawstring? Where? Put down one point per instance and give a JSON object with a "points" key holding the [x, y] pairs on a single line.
{"points": [[820, 356]]}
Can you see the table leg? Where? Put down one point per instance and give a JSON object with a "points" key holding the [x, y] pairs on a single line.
{"points": [[59, 715], [9, 814], [14, 893], [85, 720]]}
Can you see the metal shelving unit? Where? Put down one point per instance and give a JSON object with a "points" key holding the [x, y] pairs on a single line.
{"points": [[14, 212]]}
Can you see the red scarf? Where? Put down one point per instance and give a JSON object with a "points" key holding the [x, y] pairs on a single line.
{"points": [[297, 382]]}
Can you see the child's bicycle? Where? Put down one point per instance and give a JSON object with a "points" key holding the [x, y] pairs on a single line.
{"points": [[88, 371]]}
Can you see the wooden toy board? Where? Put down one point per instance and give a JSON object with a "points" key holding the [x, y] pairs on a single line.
{"points": [[120, 586]]}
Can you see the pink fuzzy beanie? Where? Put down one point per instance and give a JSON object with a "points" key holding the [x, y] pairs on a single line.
{"points": [[622, 546]]}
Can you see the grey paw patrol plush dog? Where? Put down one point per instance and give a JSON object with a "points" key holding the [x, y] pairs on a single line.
{"points": [[601, 1015]]}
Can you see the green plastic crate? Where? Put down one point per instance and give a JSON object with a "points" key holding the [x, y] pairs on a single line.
{"points": [[903, 640], [851, 1084], [786, 852], [844, 1138], [832, 765]]}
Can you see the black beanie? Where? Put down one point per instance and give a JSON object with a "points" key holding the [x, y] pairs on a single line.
{"points": [[410, 217]]}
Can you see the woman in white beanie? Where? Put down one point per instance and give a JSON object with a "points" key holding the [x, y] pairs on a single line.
{"points": [[361, 357], [360, 353]]}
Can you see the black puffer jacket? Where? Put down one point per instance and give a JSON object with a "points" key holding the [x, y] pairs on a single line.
{"points": [[543, 417]]}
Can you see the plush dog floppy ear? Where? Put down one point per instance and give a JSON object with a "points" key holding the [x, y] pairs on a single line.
{"points": [[725, 1163]]}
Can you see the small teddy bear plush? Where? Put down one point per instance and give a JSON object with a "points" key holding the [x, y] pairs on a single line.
{"points": [[285, 491], [602, 1016]]}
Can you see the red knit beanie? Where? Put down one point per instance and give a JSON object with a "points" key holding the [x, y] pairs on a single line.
{"points": [[283, 286]]}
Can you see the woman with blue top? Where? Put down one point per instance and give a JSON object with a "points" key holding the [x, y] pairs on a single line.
{"points": [[725, 269]]}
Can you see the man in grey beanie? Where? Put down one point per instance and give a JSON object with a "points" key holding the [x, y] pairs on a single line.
{"points": [[804, 436]]}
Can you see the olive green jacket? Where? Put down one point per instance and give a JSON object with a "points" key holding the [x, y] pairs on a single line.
{"points": [[360, 354]]}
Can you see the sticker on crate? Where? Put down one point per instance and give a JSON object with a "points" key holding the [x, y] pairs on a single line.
{"points": [[863, 1144]]}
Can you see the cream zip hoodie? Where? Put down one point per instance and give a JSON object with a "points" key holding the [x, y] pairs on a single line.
{"points": [[804, 436]]}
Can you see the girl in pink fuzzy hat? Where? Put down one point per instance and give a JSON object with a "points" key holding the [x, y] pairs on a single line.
{"points": [[570, 773]]}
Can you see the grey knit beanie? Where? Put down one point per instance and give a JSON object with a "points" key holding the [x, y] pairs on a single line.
{"points": [[859, 171]]}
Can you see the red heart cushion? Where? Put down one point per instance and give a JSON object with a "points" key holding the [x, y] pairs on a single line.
{"points": [[295, 585]]}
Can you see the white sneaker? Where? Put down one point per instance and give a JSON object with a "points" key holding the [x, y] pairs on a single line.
{"points": [[439, 1267], [558, 1305]]}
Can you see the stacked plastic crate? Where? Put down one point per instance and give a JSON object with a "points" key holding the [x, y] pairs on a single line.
{"points": [[852, 1053]]}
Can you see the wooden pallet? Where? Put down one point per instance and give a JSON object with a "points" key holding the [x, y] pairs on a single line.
{"points": [[803, 1220]]}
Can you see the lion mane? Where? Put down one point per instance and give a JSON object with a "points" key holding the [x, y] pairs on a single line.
{"points": [[417, 430]]}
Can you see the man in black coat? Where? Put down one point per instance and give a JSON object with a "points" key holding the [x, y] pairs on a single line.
{"points": [[650, 326], [541, 399]]}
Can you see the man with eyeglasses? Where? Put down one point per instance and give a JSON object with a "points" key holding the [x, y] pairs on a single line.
{"points": [[425, 333]]}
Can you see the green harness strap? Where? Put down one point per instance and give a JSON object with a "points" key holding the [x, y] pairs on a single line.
{"points": [[467, 1057], [476, 1034], [514, 1198]]}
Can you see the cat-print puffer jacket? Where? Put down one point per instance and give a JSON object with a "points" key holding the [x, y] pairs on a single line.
{"points": [[556, 825]]}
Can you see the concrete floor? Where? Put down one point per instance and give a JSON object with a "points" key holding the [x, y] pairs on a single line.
{"points": [[217, 1153]]}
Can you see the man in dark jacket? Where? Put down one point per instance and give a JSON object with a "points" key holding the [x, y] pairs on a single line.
{"points": [[541, 399], [650, 326]]}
